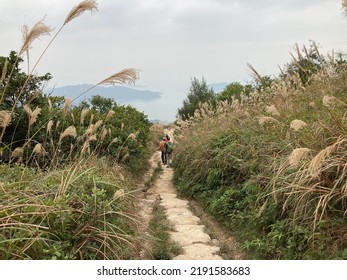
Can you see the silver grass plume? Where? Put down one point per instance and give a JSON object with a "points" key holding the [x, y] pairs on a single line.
{"points": [[39, 29], [88, 5], [126, 76]]}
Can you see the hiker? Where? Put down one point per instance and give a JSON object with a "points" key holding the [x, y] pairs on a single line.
{"points": [[168, 152], [162, 149]]}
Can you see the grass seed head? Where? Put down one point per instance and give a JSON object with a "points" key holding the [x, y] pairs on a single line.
{"points": [[126, 76], [38, 30], [70, 131], [39, 150], [297, 155], [88, 5], [273, 110], [297, 124], [83, 115], [262, 120], [5, 118]]}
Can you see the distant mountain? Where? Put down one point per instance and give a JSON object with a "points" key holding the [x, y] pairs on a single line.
{"points": [[119, 94], [218, 87]]}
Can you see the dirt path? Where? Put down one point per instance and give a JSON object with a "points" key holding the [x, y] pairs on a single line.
{"points": [[188, 231]]}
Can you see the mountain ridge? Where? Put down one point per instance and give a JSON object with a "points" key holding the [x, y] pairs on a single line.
{"points": [[120, 94]]}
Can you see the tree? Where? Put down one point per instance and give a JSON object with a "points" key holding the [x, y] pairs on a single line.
{"points": [[13, 81], [199, 93], [102, 104], [17, 88], [234, 90]]}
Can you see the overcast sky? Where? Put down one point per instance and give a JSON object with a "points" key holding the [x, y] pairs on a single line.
{"points": [[172, 41]]}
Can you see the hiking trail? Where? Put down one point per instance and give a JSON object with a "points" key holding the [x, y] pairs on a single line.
{"points": [[187, 230]]}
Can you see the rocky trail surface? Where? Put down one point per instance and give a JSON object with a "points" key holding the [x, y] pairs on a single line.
{"points": [[187, 229]]}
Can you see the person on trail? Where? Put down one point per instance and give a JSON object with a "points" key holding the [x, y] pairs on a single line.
{"points": [[168, 147], [162, 149]]}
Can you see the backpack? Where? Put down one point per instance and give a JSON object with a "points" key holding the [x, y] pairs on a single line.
{"points": [[168, 147]]}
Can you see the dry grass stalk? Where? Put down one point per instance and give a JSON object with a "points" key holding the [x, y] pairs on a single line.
{"points": [[57, 124], [5, 118], [85, 147], [34, 115], [122, 127], [297, 155], [91, 119], [254, 73], [297, 124], [126, 76], [119, 194], [330, 101], [92, 138], [4, 70], [89, 130], [67, 106], [96, 126], [70, 131], [17, 152], [132, 136], [39, 150], [121, 176], [28, 110], [296, 62], [88, 5], [83, 115], [49, 127], [103, 133], [109, 115], [34, 96], [49, 104], [298, 52], [317, 52], [73, 118], [262, 120], [39, 29], [273, 110], [316, 163]]}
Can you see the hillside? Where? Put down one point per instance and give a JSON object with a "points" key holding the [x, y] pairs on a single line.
{"points": [[121, 94]]}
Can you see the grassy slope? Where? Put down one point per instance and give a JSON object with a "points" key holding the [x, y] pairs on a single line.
{"points": [[242, 164]]}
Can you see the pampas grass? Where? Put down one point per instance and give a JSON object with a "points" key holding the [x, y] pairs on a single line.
{"points": [[39, 150], [297, 125], [331, 101], [83, 115], [88, 5], [262, 120], [5, 118], [70, 131], [109, 115], [273, 111], [297, 155], [316, 164], [38, 30], [4, 71], [17, 152], [126, 76]]}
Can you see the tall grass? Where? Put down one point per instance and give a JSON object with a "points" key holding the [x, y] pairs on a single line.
{"points": [[272, 164], [69, 214], [63, 192]]}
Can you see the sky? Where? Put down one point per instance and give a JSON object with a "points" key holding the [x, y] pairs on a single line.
{"points": [[172, 41]]}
